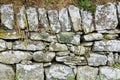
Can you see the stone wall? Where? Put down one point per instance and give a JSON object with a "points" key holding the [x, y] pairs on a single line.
{"points": [[40, 44]]}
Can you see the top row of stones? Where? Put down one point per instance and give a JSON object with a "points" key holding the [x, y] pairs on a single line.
{"points": [[65, 20]]}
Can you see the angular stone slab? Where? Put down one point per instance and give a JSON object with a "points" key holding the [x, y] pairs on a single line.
{"points": [[41, 56], [21, 18], [75, 17], [43, 18], [7, 16], [29, 45], [65, 53], [58, 47], [118, 9], [2, 45], [72, 60], [87, 73], [59, 72], [6, 72], [32, 19], [30, 72], [106, 17], [64, 20], [93, 36], [110, 73], [12, 57], [87, 21], [43, 36], [54, 22], [108, 45], [97, 59]]}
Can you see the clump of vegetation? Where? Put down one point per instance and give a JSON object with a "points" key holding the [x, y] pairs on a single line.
{"points": [[117, 65]]}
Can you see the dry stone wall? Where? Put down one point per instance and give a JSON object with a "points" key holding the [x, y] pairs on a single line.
{"points": [[40, 44]]}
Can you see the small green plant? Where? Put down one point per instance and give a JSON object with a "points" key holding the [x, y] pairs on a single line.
{"points": [[117, 65]]}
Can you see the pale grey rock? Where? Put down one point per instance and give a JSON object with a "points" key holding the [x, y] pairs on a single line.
{"points": [[43, 36], [87, 73], [59, 72], [118, 9], [47, 64], [108, 45], [116, 58], [111, 36], [7, 15], [93, 36], [41, 56], [54, 22], [64, 20], [114, 31], [30, 72], [76, 39], [87, 21], [21, 18], [2, 45], [12, 57], [110, 57], [29, 45], [88, 44], [110, 73], [9, 45], [72, 60], [32, 19], [75, 17], [97, 59], [65, 53], [106, 16], [58, 47], [43, 18], [6, 72]]}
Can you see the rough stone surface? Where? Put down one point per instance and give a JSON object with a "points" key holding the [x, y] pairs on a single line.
{"points": [[57, 47], [97, 59], [110, 57], [29, 45], [64, 20], [118, 9], [110, 73], [30, 72], [21, 18], [87, 21], [65, 53], [41, 56], [88, 44], [108, 45], [87, 73], [72, 60], [59, 72], [12, 57], [2, 45], [111, 36], [43, 36], [43, 18], [6, 72], [75, 17], [106, 17], [7, 15], [32, 19], [93, 36], [54, 22]]}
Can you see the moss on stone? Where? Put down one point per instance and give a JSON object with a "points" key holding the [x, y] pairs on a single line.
{"points": [[71, 78]]}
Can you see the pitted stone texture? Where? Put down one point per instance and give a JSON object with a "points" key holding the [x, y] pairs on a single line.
{"points": [[59, 72], [32, 19], [106, 17], [87, 73], [64, 20], [12, 57], [43, 36], [108, 45], [54, 22], [110, 57], [75, 17], [41, 56], [110, 73], [7, 16], [72, 60], [68, 37], [97, 59], [58, 47], [93, 36], [87, 21], [6, 72], [30, 72], [43, 18], [118, 9], [2, 45], [29, 45], [21, 18]]}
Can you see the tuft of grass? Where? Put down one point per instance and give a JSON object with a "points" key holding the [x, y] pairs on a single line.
{"points": [[117, 65]]}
